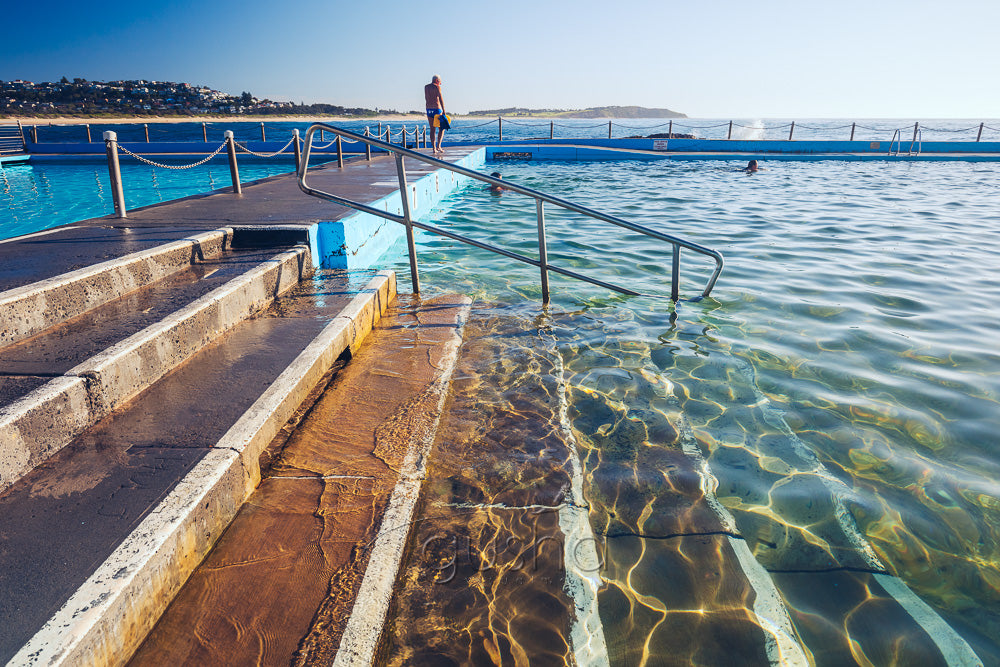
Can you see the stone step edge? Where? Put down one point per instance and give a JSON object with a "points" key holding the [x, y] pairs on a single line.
{"points": [[109, 616], [27, 310], [365, 627], [44, 421]]}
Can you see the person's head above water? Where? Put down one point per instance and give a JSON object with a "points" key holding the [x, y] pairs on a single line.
{"points": [[493, 186], [752, 165]]}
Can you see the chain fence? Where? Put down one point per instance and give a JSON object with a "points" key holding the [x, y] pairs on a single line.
{"points": [[151, 163], [281, 150]]}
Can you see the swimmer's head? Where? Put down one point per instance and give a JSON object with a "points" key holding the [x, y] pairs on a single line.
{"points": [[496, 174], [752, 165]]}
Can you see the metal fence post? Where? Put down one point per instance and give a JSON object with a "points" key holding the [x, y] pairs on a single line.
{"points": [[791, 130], [34, 134], [980, 135], [146, 127], [916, 128], [675, 275], [368, 146], [670, 130], [404, 195], [298, 149], [543, 253], [609, 129], [263, 137], [234, 170], [204, 132], [730, 135], [500, 126], [388, 134], [552, 129], [89, 140], [380, 130], [340, 152], [115, 172], [852, 130]]}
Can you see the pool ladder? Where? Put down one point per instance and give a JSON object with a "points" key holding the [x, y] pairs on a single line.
{"points": [[897, 141], [406, 219]]}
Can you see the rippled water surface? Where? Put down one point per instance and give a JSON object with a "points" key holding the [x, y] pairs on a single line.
{"points": [[836, 396]]}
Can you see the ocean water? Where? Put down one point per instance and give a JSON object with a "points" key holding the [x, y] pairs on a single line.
{"points": [[831, 409]]}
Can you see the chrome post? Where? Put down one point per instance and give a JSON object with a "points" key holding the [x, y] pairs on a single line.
{"points": [[404, 195], [147, 132], [34, 134], [500, 126], [115, 172], [552, 129], [730, 135], [543, 253], [322, 134], [204, 132], [609, 129], [263, 137], [979, 136], [791, 130], [89, 140], [234, 169], [675, 275], [340, 152], [368, 146], [298, 149], [852, 130]]}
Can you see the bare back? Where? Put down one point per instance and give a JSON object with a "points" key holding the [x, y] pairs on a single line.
{"points": [[432, 96]]}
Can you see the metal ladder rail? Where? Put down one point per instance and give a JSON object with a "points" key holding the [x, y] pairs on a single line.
{"points": [[539, 197], [897, 140]]}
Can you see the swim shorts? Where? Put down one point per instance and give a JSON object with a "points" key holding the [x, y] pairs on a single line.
{"points": [[431, 113]]}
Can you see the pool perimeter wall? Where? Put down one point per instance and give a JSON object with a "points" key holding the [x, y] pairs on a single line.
{"points": [[358, 240]]}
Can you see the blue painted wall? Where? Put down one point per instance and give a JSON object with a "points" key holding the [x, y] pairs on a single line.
{"points": [[358, 241]]}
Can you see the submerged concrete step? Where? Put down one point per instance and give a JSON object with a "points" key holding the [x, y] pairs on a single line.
{"points": [[280, 585], [45, 419], [98, 539]]}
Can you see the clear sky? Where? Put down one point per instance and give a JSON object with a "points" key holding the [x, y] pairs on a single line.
{"points": [[910, 59]]}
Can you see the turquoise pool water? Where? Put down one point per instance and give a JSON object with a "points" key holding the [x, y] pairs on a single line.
{"points": [[39, 196], [842, 384]]}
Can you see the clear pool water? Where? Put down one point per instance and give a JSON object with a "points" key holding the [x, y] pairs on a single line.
{"points": [[842, 383], [39, 196]]}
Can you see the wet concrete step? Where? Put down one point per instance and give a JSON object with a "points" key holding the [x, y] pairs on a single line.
{"points": [[281, 583], [41, 417], [97, 539]]}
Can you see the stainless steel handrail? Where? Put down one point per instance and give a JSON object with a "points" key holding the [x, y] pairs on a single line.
{"points": [[542, 263]]}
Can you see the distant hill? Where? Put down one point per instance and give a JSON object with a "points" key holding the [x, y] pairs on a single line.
{"points": [[593, 112]]}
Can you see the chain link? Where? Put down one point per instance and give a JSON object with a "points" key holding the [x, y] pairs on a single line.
{"points": [[169, 166], [277, 152]]}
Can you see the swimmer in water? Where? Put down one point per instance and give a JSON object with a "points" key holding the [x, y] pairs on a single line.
{"points": [[752, 167], [496, 189]]}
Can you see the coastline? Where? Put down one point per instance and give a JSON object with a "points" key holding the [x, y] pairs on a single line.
{"points": [[126, 120]]}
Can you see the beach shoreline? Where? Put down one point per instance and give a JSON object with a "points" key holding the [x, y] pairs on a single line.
{"points": [[137, 120]]}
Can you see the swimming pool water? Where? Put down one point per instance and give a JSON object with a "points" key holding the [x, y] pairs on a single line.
{"points": [[842, 381]]}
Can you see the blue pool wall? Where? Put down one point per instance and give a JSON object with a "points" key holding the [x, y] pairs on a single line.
{"points": [[359, 240]]}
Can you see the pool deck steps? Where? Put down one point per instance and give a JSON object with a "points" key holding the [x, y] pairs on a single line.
{"points": [[36, 425], [111, 526]]}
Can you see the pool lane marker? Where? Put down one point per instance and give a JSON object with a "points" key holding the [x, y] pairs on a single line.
{"points": [[580, 558], [780, 640], [954, 649]]}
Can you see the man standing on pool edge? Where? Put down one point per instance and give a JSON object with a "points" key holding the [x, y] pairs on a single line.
{"points": [[435, 106]]}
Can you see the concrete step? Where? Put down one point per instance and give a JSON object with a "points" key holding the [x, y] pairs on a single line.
{"points": [[42, 419], [98, 539]]}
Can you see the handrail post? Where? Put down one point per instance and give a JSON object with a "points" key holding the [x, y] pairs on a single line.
{"points": [[146, 126], [730, 135], [115, 172], [340, 152], [543, 253], [263, 137], [234, 170], [500, 127], [852, 130], [675, 275], [404, 195], [552, 129], [298, 149], [322, 134], [979, 136], [89, 140], [790, 130], [609, 129], [204, 132]]}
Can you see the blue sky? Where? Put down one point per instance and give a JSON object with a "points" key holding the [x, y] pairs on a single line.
{"points": [[712, 59]]}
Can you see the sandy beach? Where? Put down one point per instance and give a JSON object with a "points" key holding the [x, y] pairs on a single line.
{"points": [[41, 122]]}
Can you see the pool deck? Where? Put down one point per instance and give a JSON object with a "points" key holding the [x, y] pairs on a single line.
{"points": [[103, 528]]}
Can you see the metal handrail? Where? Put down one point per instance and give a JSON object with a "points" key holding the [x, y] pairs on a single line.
{"points": [[897, 139], [540, 198]]}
